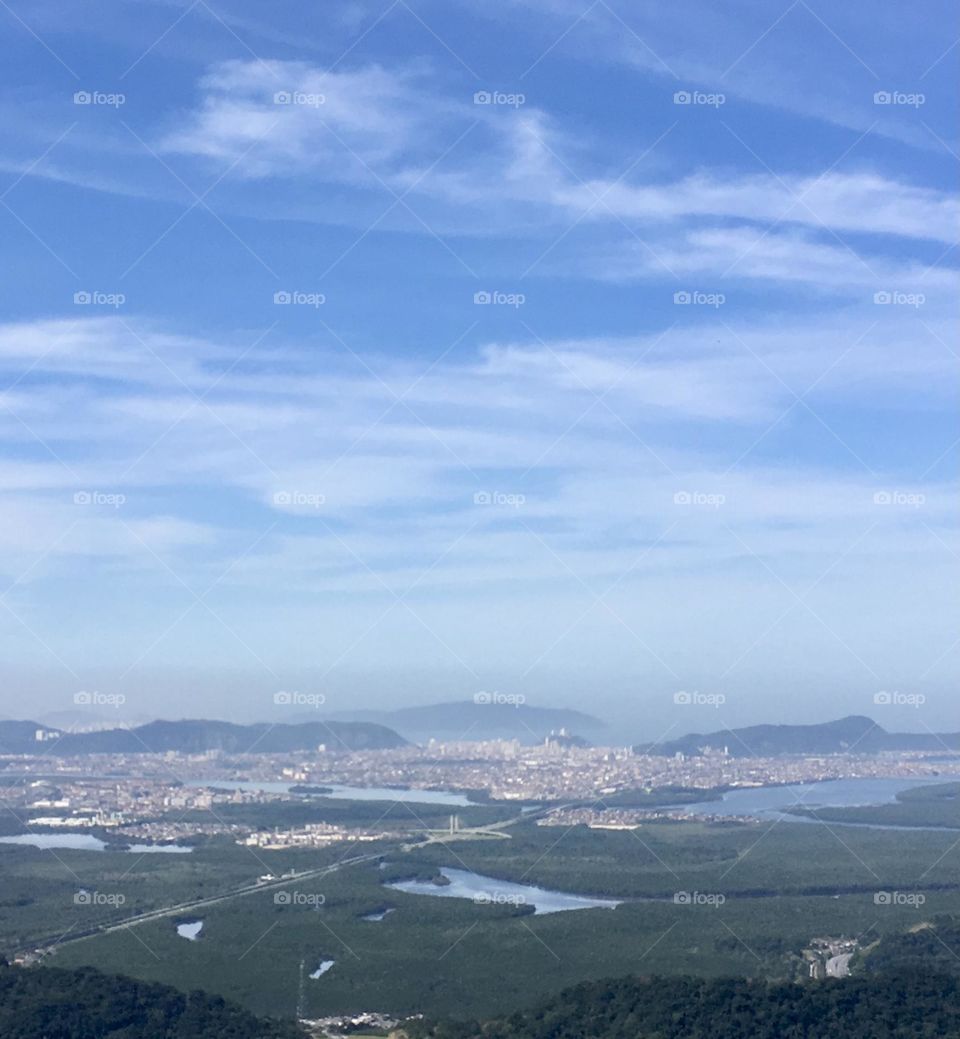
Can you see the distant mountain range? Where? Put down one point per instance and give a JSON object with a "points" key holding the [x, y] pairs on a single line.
{"points": [[196, 736], [490, 716], [855, 733], [465, 721]]}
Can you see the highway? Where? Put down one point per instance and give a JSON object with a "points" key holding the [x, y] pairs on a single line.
{"points": [[201, 903]]}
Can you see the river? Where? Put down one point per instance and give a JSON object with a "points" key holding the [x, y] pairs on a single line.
{"points": [[769, 802]]}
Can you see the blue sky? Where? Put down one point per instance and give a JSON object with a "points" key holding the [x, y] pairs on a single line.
{"points": [[399, 351]]}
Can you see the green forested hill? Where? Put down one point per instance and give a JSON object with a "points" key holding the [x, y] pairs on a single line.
{"points": [[899, 1006], [50, 1003], [929, 946]]}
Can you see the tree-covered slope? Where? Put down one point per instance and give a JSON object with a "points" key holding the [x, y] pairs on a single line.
{"points": [[51, 1003], [911, 1005]]}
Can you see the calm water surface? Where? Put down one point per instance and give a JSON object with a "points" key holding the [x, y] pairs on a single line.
{"points": [[487, 890], [87, 842], [770, 802], [190, 930]]}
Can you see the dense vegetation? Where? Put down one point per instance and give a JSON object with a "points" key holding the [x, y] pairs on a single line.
{"points": [[932, 945], [657, 797], [451, 956], [49, 1003], [903, 1006]]}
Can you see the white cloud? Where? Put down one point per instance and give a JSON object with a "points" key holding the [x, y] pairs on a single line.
{"points": [[380, 127], [290, 119], [518, 417], [864, 203], [730, 254], [383, 500]]}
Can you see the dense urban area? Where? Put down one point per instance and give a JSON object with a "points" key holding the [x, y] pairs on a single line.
{"points": [[144, 797]]}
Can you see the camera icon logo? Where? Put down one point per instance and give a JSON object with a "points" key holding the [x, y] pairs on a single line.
{"points": [[882, 297], [282, 898], [282, 498], [283, 698], [82, 298], [482, 698], [682, 97], [682, 898], [882, 97], [82, 898], [882, 498], [681, 297], [883, 698], [282, 297], [681, 498], [482, 297], [682, 697], [83, 97], [82, 498], [483, 97], [83, 698], [282, 97]]}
